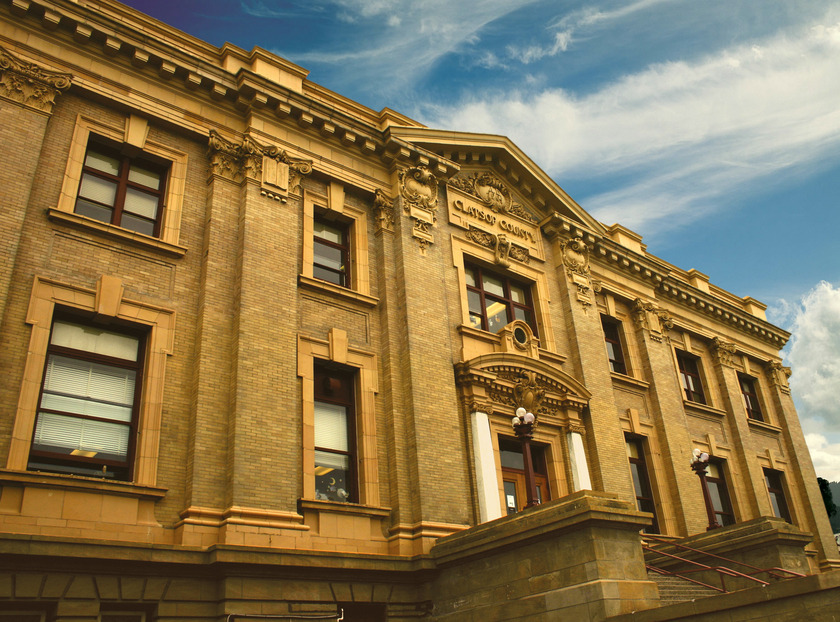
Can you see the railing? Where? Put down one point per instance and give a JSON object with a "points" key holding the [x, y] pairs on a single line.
{"points": [[722, 571]]}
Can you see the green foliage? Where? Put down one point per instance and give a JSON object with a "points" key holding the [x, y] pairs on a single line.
{"points": [[828, 498]]}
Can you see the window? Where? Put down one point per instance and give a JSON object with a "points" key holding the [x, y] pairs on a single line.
{"points": [[88, 407], [690, 376], [513, 473], [776, 490], [716, 482], [612, 338], [335, 446], [495, 301], [121, 190], [331, 252], [641, 482], [748, 390]]}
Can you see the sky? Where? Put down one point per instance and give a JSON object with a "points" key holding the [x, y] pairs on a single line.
{"points": [[710, 128]]}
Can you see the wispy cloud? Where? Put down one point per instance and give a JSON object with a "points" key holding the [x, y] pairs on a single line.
{"points": [[769, 106], [394, 43], [533, 53]]}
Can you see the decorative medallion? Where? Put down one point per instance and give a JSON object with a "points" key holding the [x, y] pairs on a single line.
{"points": [[576, 257], [529, 395], [492, 192], [29, 84], [419, 188]]}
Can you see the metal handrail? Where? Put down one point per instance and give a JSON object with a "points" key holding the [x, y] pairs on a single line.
{"points": [[721, 570], [770, 571]]}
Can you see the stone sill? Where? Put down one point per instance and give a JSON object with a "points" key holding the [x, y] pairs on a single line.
{"points": [[112, 231], [763, 425], [704, 409], [629, 380], [79, 483], [353, 509], [318, 285], [487, 337]]}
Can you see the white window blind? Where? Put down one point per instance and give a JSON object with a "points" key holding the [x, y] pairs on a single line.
{"points": [[331, 426]]}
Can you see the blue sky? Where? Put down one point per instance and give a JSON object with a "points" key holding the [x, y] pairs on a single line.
{"points": [[711, 128]]}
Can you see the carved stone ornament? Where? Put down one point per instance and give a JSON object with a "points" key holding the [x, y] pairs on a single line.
{"points": [[723, 350], [779, 375], [576, 257], [492, 192], [247, 160], [383, 208], [29, 84], [651, 319], [503, 249], [529, 395], [419, 188]]}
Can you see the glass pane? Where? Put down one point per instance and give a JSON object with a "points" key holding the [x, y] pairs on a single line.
{"points": [[330, 276], [474, 300], [494, 285], [102, 162], [98, 189], [633, 449], [332, 476], [475, 321], [713, 470], [141, 203], [517, 294], [510, 497], [91, 210], [87, 388], [511, 458], [328, 256], [331, 426], [95, 340], [497, 317], [71, 435], [329, 232], [637, 480], [469, 274], [144, 176], [140, 225], [714, 493]]}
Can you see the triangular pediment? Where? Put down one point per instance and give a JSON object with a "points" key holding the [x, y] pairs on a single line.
{"points": [[495, 170]]}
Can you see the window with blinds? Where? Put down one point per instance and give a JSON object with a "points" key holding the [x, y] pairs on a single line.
{"points": [[89, 397]]}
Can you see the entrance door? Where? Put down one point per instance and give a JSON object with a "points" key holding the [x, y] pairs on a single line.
{"points": [[513, 474]]}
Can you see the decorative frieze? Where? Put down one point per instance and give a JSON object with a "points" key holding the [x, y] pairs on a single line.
{"points": [[30, 84], [503, 249], [492, 192], [278, 173], [652, 320]]}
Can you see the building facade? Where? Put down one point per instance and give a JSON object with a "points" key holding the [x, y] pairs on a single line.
{"points": [[261, 345]]}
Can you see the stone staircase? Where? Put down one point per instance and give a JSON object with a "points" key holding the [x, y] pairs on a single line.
{"points": [[676, 590]]}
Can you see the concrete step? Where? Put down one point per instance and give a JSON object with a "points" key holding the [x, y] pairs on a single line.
{"points": [[677, 590]]}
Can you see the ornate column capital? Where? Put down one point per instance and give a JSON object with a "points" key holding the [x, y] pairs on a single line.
{"points": [[383, 209], [652, 320], [778, 375], [29, 84], [723, 351]]}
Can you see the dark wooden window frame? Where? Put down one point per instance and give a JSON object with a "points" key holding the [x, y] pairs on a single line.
{"points": [[516, 476], [106, 147], [725, 515], [749, 390], [342, 275], [63, 463], [613, 337], [689, 369], [344, 394], [645, 500], [776, 490], [506, 299]]}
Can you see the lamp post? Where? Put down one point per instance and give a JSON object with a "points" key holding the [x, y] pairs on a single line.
{"points": [[523, 427], [699, 464]]}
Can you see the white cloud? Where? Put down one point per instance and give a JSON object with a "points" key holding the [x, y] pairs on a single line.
{"points": [[814, 356], [825, 455], [691, 133], [535, 52]]}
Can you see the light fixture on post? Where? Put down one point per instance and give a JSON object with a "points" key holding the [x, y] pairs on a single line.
{"points": [[699, 464], [523, 427]]}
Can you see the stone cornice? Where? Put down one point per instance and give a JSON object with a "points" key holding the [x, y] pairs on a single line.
{"points": [[255, 82], [655, 273]]}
